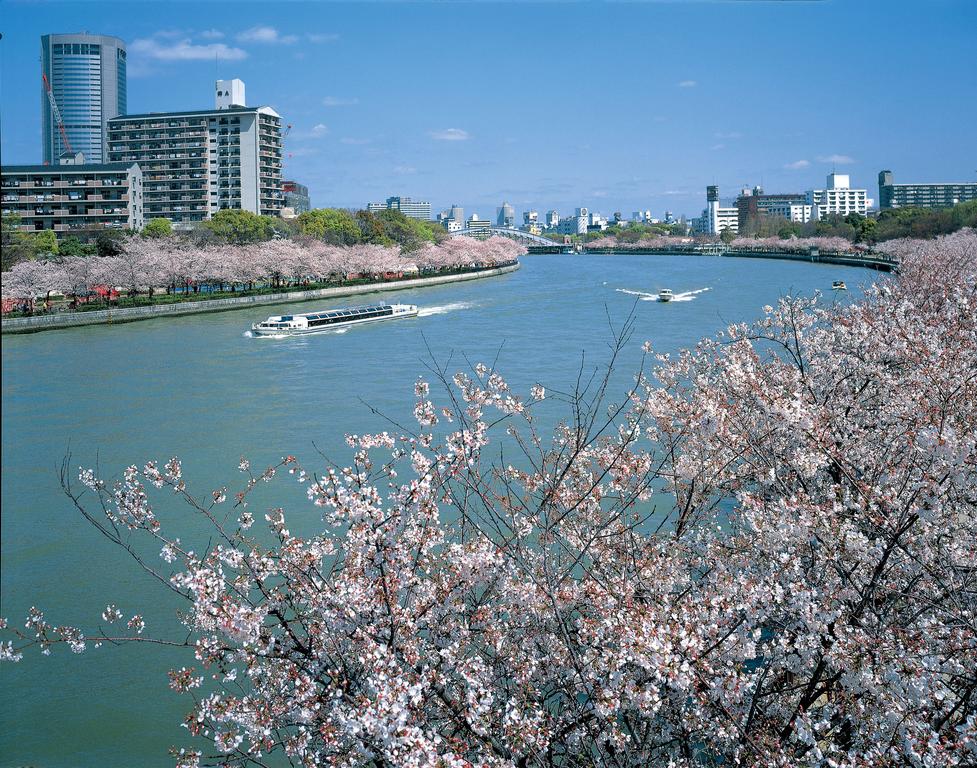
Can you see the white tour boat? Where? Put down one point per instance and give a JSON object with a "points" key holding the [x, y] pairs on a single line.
{"points": [[839, 285], [665, 295], [316, 322]]}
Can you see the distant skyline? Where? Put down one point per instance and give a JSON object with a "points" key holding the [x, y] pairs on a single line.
{"points": [[613, 106]]}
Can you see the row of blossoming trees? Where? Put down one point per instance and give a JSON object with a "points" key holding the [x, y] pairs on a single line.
{"points": [[765, 554], [773, 244], [146, 264]]}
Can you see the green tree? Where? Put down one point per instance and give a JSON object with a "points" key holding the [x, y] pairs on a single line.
{"points": [[108, 242], [371, 228], [409, 234], [158, 228], [44, 243], [240, 227], [72, 246], [727, 235], [333, 225], [15, 246]]}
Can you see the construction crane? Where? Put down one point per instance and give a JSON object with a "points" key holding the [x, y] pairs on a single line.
{"points": [[288, 130], [56, 112]]}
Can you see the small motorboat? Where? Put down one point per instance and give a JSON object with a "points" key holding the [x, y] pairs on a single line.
{"points": [[665, 295], [839, 285]]}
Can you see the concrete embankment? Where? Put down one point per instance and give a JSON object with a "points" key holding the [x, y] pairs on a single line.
{"points": [[132, 314]]}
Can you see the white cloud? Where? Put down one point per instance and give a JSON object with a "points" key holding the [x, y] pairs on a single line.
{"points": [[185, 50], [318, 131], [718, 146], [687, 84], [261, 34], [212, 34], [450, 134], [319, 37], [336, 101], [797, 165], [354, 141], [405, 170], [731, 135], [837, 159]]}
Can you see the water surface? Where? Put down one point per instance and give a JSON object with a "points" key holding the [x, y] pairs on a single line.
{"points": [[199, 388]]}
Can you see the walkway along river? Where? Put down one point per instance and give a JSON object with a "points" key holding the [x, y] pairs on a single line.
{"points": [[132, 314]]}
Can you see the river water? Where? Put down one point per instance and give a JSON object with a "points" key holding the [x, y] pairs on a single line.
{"points": [[200, 388]]}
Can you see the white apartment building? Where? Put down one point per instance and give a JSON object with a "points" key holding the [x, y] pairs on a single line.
{"points": [[838, 197], [199, 162], [552, 219], [799, 212]]}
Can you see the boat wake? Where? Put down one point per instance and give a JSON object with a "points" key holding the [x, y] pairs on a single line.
{"points": [[689, 295], [247, 334], [644, 296], [442, 309]]}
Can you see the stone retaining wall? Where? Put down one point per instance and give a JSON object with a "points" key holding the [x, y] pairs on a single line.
{"points": [[132, 314]]}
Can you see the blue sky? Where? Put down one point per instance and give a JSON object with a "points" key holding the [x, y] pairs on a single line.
{"points": [[612, 105]]}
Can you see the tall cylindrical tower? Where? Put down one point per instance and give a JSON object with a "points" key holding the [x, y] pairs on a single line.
{"points": [[87, 74]]}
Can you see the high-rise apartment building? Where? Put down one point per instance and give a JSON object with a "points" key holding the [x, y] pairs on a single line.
{"points": [[87, 75], [838, 197], [196, 163], [941, 195]]}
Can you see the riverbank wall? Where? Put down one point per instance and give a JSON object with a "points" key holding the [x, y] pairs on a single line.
{"points": [[61, 320]]}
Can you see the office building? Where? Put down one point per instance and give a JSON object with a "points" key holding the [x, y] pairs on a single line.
{"points": [[940, 195], [530, 217], [478, 225], [412, 209], [552, 219], [752, 205], [296, 197], [457, 214], [506, 216], [74, 197], [716, 218], [596, 222], [576, 224], [838, 197], [87, 75], [196, 163]]}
